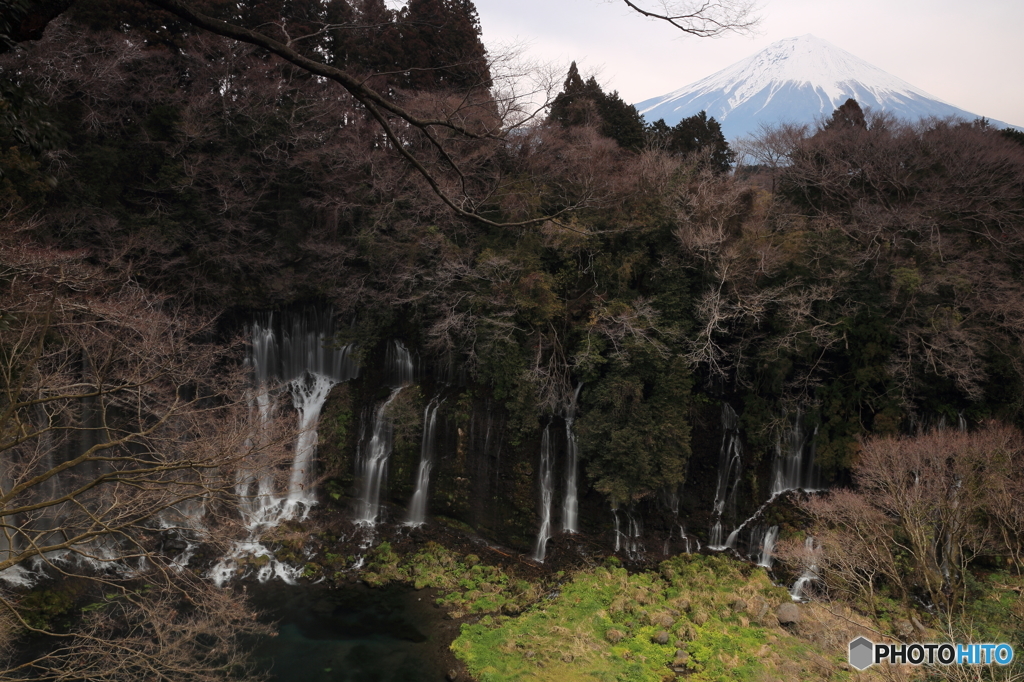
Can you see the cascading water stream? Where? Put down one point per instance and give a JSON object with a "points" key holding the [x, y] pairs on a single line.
{"points": [[16, 575], [792, 469], [730, 458], [765, 557], [547, 494], [294, 355], [309, 393], [399, 369], [374, 464], [418, 505], [730, 543], [297, 355], [794, 466], [809, 575], [570, 507], [628, 541], [399, 372]]}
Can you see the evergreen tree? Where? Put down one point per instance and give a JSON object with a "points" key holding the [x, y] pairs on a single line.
{"points": [[699, 133], [847, 116], [365, 36], [576, 105], [441, 45], [585, 103], [1013, 135], [620, 121]]}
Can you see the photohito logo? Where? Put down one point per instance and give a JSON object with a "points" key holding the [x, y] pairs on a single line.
{"points": [[864, 653]]}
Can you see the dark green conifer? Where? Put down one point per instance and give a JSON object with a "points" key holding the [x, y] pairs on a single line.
{"points": [[441, 45], [700, 133], [585, 103], [847, 116]]}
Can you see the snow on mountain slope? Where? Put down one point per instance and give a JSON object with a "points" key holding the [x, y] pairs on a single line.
{"points": [[796, 80]]}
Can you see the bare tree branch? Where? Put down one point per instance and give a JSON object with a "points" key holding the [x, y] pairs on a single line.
{"points": [[702, 18]]}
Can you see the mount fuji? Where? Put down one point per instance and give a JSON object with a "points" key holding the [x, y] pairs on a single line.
{"points": [[796, 80]]}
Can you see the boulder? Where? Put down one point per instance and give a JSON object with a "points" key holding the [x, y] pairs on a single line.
{"points": [[904, 628], [788, 613]]}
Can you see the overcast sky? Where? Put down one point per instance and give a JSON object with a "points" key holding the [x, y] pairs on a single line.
{"points": [[969, 54]]}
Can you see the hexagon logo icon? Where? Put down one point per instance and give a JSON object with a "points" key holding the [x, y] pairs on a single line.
{"points": [[862, 652]]}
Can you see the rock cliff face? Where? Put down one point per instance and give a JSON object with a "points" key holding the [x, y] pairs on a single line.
{"points": [[489, 474]]}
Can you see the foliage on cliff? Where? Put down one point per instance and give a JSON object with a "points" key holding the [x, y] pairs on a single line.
{"points": [[878, 287]]}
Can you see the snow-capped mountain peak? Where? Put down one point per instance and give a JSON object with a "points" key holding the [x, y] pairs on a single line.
{"points": [[796, 80]]}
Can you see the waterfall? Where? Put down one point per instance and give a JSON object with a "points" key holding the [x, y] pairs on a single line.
{"points": [[730, 457], [418, 505], [372, 462], [258, 507], [17, 575], [686, 539], [399, 369], [570, 512], [731, 542], [672, 499], [794, 466], [765, 557], [546, 494], [309, 393], [292, 353], [305, 348], [809, 575], [373, 465], [628, 541]]}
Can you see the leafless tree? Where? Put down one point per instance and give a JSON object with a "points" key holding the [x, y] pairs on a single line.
{"points": [[926, 498], [120, 420]]}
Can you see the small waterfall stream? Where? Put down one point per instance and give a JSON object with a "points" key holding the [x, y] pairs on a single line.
{"points": [[547, 494], [628, 541], [372, 461], [570, 507], [794, 466], [765, 557], [294, 355], [809, 575], [309, 393], [418, 505], [730, 458]]}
